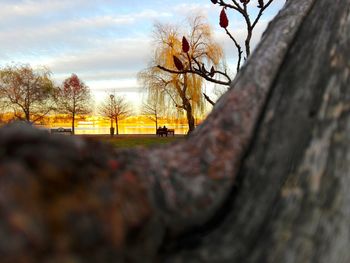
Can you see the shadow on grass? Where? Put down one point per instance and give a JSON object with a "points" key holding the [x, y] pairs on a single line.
{"points": [[134, 141]]}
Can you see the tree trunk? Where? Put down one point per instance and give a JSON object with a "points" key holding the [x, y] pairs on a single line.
{"points": [[27, 116], [156, 120], [116, 126], [186, 104], [111, 129], [73, 123], [264, 179], [189, 115]]}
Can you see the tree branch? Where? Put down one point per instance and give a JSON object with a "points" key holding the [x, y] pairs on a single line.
{"points": [[200, 73], [208, 99], [260, 13], [250, 27], [239, 49]]}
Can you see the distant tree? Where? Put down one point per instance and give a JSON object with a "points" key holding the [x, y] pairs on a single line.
{"points": [[151, 110], [182, 90], [106, 109], [2, 106], [153, 107], [1, 116], [74, 98], [27, 92], [116, 108]]}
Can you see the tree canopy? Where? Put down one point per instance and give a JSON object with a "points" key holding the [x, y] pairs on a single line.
{"points": [[184, 91], [28, 92], [116, 108], [73, 98]]}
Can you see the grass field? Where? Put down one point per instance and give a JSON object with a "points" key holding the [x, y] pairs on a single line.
{"points": [[129, 141]]}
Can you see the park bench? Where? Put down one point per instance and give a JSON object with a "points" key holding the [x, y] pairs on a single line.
{"points": [[61, 131], [165, 131], [171, 131]]}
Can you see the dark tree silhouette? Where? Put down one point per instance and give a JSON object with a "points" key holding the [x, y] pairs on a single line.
{"points": [[151, 110], [116, 108], [73, 98], [263, 179]]}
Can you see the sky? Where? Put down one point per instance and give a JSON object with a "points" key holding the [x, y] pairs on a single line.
{"points": [[105, 42]]}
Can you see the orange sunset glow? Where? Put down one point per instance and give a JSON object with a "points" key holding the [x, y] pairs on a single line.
{"points": [[139, 124]]}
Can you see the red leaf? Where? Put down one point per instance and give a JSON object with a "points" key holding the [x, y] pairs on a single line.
{"points": [[185, 45], [261, 3], [178, 63], [223, 19]]}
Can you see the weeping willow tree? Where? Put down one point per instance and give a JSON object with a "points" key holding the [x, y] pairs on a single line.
{"points": [[182, 90]]}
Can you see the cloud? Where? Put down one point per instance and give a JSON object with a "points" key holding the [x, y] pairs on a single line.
{"points": [[71, 33], [121, 58], [125, 89], [105, 42], [186, 9], [16, 9], [47, 27]]}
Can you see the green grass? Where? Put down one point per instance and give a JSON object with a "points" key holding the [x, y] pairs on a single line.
{"points": [[131, 141]]}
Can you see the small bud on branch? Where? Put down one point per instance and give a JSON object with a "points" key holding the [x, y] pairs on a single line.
{"points": [[223, 19], [178, 63], [214, 1], [185, 45], [261, 3]]}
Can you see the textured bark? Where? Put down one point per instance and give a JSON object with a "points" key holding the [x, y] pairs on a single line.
{"points": [[263, 179], [189, 115], [291, 200]]}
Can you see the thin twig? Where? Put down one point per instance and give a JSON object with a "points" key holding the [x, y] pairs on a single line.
{"points": [[208, 99], [261, 12], [239, 49], [250, 26]]}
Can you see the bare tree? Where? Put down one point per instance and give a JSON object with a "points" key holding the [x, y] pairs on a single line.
{"points": [[215, 75], [151, 110], [73, 98], [242, 8], [27, 92], [116, 108]]}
